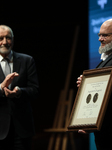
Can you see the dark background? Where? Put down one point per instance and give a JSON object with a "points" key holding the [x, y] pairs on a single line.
{"points": [[45, 30]]}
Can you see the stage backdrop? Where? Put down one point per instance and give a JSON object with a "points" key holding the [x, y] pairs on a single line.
{"points": [[98, 12]]}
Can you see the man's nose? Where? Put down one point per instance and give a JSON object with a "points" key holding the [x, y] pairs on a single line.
{"points": [[101, 38], [4, 40]]}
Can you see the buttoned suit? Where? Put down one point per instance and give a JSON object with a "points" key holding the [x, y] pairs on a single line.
{"points": [[18, 110]]}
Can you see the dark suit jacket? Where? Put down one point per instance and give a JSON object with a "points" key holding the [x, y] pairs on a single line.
{"points": [[106, 63], [102, 137], [18, 109]]}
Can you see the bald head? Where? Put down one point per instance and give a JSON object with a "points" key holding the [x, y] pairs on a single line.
{"points": [[106, 27]]}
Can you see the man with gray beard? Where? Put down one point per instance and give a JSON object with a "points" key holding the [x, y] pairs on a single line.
{"points": [[103, 137]]}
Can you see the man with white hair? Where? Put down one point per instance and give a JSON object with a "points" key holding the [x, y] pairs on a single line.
{"points": [[103, 137], [18, 86]]}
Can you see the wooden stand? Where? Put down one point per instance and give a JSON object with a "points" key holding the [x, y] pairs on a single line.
{"points": [[59, 137]]}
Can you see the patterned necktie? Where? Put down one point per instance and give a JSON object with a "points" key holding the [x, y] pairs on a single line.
{"points": [[7, 67]]}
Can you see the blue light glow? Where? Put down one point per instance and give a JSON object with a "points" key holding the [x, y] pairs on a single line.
{"points": [[99, 11]]}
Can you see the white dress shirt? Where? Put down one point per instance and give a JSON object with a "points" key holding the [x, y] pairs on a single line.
{"points": [[104, 56], [10, 57], [2, 63]]}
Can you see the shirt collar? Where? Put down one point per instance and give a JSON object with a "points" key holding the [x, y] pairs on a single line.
{"points": [[10, 56], [104, 56]]}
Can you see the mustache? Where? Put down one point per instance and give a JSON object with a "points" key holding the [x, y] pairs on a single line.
{"points": [[5, 46], [102, 42]]}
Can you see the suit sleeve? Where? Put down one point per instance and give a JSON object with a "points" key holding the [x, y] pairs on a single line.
{"points": [[32, 88]]}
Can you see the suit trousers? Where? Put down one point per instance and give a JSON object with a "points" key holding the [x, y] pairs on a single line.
{"points": [[14, 142]]}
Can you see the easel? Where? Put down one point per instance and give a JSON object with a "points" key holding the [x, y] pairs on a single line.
{"points": [[58, 139]]}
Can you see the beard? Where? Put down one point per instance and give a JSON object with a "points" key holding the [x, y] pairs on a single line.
{"points": [[106, 48], [5, 49]]}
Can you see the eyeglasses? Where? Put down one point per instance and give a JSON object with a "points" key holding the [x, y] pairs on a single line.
{"points": [[104, 35]]}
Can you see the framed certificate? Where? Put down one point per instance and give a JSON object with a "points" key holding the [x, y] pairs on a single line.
{"points": [[91, 100]]}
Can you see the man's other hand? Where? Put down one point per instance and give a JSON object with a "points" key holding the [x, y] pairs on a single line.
{"points": [[8, 80]]}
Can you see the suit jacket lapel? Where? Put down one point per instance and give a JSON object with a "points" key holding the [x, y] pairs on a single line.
{"points": [[2, 76], [16, 66], [16, 62], [103, 63]]}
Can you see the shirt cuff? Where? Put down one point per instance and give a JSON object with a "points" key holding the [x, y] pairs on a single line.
{"points": [[1, 91], [18, 92]]}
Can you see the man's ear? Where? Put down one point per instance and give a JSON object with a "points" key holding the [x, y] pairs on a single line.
{"points": [[12, 42]]}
